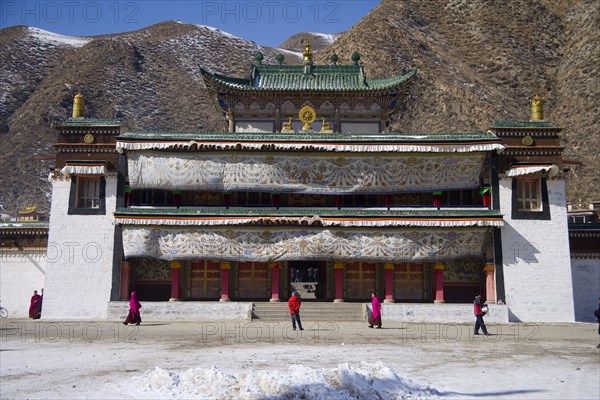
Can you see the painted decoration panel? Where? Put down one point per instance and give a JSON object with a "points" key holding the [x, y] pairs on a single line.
{"points": [[304, 173], [279, 244]]}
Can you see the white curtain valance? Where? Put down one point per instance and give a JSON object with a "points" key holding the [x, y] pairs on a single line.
{"points": [[291, 244], [304, 173], [552, 170], [340, 147], [315, 220], [98, 169]]}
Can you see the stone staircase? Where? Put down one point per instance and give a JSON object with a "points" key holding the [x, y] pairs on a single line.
{"points": [[310, 311]]}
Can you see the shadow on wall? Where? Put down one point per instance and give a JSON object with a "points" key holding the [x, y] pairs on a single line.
{"points": [[517, 249]]}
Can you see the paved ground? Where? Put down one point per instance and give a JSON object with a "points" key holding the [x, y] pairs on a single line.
{"points": [[64, 359]]}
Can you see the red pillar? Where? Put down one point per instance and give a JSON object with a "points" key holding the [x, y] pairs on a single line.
{"points": [[175, 285], [225, 268], [275, 268], [338, 268], [389, 283], [125, 280], [439, 283], [490, 285]]}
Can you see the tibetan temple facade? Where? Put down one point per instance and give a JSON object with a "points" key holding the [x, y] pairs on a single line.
{"points": [[308, 186]]}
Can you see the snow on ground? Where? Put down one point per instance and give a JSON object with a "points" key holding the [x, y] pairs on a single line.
{"points": [[56, 39], [163, 360]]}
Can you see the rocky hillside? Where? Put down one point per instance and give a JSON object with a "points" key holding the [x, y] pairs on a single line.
{"points": [[478, 61]]}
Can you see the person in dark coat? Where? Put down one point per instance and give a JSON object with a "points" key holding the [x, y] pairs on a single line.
{"points": [[479, 316], [294, 304]]}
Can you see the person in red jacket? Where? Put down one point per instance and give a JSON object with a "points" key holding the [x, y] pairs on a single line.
{"points": [[294, 304], [479, 316]]}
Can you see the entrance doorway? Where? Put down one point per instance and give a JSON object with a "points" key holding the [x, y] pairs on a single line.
{"points": [[308, 279]]}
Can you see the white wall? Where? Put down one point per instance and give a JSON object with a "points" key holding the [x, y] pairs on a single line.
{"points": [[586, 288], [536, 259], [79, 257], [20, 274]]}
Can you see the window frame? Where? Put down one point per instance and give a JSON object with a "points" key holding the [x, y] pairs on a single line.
{"points": [[544, 211], [74, 196]]}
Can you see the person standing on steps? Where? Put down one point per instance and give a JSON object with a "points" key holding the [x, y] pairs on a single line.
{"points": [[134, 316], [479, 313], [375, 318], [294, 304]]}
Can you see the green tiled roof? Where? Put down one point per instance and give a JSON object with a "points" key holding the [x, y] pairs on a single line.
{"points": [[312, 137], [91, 122], [299, 212], [322, 78], [522, 124]]}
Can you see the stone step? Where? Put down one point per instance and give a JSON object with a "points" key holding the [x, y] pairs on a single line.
{"points": [[310, 311]]}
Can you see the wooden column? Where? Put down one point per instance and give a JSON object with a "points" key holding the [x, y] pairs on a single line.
{"points": [[439, 283], [175, 277], [338, 269], [389, 283], [490, 285], [125, 280], [225, 268], [275, 268]]}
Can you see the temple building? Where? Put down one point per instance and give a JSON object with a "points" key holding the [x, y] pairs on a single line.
{"points": [[307, 187]]}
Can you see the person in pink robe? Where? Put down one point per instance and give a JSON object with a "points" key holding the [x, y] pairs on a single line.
{"points": [[35, 306], [134, 316], [375, 318]]}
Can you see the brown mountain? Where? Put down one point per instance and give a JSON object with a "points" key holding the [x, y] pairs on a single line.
{"points": [[478, 61]]}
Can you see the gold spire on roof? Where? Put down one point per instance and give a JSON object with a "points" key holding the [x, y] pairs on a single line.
{"points": [[307, 52], [78, 106], [537, 108]]}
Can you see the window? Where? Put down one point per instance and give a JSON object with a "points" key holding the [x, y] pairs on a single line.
{"points": [[88, 192], [87, 195], [529, 194], [530, 198]]}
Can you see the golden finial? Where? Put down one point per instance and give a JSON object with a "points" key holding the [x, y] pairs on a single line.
{"points": [[537, 108], [78, 106], [307, 52]]}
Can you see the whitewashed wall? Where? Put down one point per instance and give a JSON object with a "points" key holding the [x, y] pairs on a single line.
{"points": [[20, 274], [586, 288], [79, 257], [536, 259]]}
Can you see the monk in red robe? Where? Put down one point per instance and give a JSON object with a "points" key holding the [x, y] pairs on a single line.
{"points": [[134, 316], [35, 306]]}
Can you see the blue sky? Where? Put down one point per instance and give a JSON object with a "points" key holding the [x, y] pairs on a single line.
{"points": [[267, 22]]}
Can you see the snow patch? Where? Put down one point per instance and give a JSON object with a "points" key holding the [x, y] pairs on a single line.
{"points": [[227, 34], [365, 381], [330, 38], [56, 39]]}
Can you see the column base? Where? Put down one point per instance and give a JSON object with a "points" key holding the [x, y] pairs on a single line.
{"points": [[338, 300], [389, 301], [274, 300], [439, 301], [174, 299], [222, 300]]}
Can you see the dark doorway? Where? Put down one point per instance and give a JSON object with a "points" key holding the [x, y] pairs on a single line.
{"points": [[308, 279]]}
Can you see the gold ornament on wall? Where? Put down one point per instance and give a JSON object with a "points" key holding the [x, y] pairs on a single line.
{"points": [[308, 116]]}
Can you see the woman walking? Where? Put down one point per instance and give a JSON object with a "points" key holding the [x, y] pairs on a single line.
{"points": [[375, 318], [134, 316]]}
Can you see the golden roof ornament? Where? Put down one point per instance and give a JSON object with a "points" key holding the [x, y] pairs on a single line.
{"points": [[307, 52], [326, 127], [287, 126], [308, 116], [78, 106], [537, 108]]}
